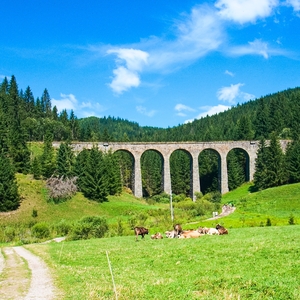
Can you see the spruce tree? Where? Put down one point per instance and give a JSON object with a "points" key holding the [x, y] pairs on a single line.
{"points": [[94, 182], [113, 174], [292, 159], [36, 168], [47, 159], [9, 195], [235, 170], [16, 141], [65, 161], [260, 174], [275, 163], [151, 165]]}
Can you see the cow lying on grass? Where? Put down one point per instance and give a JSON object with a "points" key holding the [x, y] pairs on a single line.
{"points": [[156, 236], [221, 229], [190, 234], [140, 231]]}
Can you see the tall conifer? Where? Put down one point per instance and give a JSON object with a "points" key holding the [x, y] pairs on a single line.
{"points": [[9, 195]]}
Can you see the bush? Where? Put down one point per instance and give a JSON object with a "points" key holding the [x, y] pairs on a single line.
{"points": [[40, 230], [62, 227], [89, 227], [61, 189], [34, 213], [214, 197], [186, 205], [268, 223], [291, 220]]}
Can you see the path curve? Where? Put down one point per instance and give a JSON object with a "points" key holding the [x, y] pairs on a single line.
{"points": [[41, 286]]}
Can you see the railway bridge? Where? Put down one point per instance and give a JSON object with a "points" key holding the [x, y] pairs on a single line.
{"points": [[194, 149]]}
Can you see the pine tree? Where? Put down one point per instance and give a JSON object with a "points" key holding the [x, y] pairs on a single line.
{"points": [[244, 129], [235, 170], [292, 159], [262, 122], [9, 195], [65, 161], [113, 174], [260, 174], [151, 165], [275, 163], [94, 182], [46, 104], [47, 158], [36, 168], [16, 141]]}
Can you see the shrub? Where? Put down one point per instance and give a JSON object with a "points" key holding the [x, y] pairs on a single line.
{"points": [[186, 205], [291, 220], [40, 230], [61, 189], [198, 195], [34, 213], [268, 223], [62, 227], [89, 227]]}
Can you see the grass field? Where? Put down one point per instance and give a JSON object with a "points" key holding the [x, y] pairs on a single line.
{"points": [[248, 263], [254, 261]]}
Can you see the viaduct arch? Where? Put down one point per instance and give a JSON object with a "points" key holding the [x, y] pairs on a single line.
{"points": [[193, 148]]}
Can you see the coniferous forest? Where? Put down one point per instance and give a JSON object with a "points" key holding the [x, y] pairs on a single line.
{"points": [[25, 118]]}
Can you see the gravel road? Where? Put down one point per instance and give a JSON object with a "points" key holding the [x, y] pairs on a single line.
{"points": [[17, 282]]}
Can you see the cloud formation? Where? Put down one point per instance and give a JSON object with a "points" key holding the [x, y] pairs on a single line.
{"points": [[66, 102], [130, 63], [181, 109], [69, 102], [231, 93], [209, 111], [243, 11], [295, 4]]}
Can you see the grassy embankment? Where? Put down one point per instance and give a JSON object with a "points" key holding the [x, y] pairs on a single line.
{"points": [[248, 263], [251, 262]]}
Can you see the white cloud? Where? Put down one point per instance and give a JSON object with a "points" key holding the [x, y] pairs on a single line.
{"points": [[243, 11], [257, 47], [294, 3], [209, 111], [229, 73], [231, 93], [181, 107], [124, 79], [196, 34], [83, 109], [66, 102], [130, 63], [143, 110]]}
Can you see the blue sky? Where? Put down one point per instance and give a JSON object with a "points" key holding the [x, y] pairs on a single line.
{"points": [[157, 63]]}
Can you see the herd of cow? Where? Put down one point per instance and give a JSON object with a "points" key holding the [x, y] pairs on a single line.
{"points": [[178, 232]]}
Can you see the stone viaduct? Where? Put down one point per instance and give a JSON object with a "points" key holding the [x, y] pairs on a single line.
{"points": [[192, 148]]}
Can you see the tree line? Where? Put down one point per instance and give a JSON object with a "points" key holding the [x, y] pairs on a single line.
{"points": [[24, 119]]}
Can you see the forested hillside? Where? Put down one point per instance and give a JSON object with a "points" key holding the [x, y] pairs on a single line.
{"points": [[25, 119], [279, 112]]}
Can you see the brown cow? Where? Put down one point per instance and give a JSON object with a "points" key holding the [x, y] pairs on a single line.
{"points": [[178, 229], [156, 236], [190, 234], [140, 231], [221, 229]]}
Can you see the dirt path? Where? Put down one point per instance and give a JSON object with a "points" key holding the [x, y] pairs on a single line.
{"points": [[226, 210], [24, 276]]}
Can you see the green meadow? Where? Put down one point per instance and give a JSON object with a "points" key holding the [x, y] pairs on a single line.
{"points": [[258, 259], [248, 263]]}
